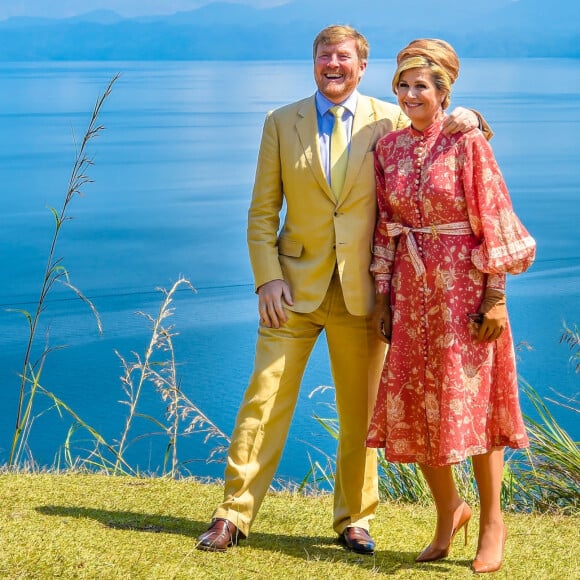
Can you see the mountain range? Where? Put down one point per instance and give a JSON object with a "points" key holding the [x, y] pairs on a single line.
{"points": [[227, 31]]}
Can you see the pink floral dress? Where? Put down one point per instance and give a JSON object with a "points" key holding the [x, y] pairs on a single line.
{"points": [[446, 230]]}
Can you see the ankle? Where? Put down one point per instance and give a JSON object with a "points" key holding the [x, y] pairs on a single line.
{"points": [[449, 509], [491, 523], [491, 538]]}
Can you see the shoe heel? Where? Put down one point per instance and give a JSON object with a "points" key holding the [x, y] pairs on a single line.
{"points": [[463, 522]]}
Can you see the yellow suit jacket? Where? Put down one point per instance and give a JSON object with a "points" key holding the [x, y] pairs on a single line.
{"points": [[318, 232]]}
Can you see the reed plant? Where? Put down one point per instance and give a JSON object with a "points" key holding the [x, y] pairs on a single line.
{"points": [[549, 475], [55, 272], [157, 368], [571, 337]]}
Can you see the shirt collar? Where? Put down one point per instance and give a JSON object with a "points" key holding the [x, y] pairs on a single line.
{"points": [[323, 104]]}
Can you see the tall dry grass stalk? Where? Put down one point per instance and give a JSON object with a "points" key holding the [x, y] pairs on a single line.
{"points": [[158, 369], [155, 369], [571, 337], [54, 272]]}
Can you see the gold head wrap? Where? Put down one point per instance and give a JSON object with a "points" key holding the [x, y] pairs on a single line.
{"points": [[432, 53], [435, 50]]}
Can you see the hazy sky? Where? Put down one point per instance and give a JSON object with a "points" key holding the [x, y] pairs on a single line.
{"points": [[63, 8]]}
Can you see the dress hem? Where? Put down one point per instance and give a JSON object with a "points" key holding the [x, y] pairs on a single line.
{"points": [[442, 462]]}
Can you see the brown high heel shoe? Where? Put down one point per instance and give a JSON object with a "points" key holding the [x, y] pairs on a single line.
{"points": [[430, 554], [481, 567]]}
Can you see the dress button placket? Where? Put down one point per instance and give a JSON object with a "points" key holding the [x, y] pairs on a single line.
{"points": [[420, 152]]}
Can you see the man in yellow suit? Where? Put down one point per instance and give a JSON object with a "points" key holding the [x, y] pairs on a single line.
{"points": [[312, 275]]}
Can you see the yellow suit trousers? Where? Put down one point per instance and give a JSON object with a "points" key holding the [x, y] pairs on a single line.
{"points": [[264, 418]]}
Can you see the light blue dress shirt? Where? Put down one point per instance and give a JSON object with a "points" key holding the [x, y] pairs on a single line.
{"points": [[326, 122]]}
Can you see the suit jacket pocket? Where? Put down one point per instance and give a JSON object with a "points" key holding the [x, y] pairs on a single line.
{"points": [[290, 248]]}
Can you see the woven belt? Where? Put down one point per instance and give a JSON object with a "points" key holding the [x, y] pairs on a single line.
{"points": [[451, 229]]}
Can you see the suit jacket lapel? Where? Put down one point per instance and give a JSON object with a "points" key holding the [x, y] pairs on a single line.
{"points": [[307, 128], [363, 128]]}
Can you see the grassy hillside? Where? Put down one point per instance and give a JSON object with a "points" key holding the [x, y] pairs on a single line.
{"points": [[94, 526]]}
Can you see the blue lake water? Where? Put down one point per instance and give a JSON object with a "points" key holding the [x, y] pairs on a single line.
{"points": [[172, 181]]}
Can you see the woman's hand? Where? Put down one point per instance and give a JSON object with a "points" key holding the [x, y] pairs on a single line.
{"points": [[382, 318], [494, 313]]}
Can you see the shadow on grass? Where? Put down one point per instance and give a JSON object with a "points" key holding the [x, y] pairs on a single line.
{"points": [[133, 521], [306, 547]]}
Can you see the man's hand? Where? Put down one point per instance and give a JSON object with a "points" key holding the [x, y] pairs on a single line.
{"points": [[460, 120], [271, 298], [381, 319]]}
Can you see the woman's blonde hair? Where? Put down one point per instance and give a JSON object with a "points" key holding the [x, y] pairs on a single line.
{"points": [[436, 55]]}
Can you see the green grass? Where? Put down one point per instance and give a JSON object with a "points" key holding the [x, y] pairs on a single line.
{"points": [[97, 526]]}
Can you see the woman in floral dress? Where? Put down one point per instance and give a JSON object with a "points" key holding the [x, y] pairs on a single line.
{"points": [[445, 239]]}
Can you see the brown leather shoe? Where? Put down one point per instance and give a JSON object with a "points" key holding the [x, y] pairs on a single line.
{"points": [[358, 540], [220, 535]]}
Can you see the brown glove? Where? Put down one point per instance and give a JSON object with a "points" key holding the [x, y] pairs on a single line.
{"points": [[494, 313]]}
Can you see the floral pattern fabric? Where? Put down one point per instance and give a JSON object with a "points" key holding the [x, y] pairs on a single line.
{"points": [[442, 200]]}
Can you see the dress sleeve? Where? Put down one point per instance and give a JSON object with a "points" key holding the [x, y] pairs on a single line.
{"points": [[384, 245], [496, 282], [506, 246]]}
